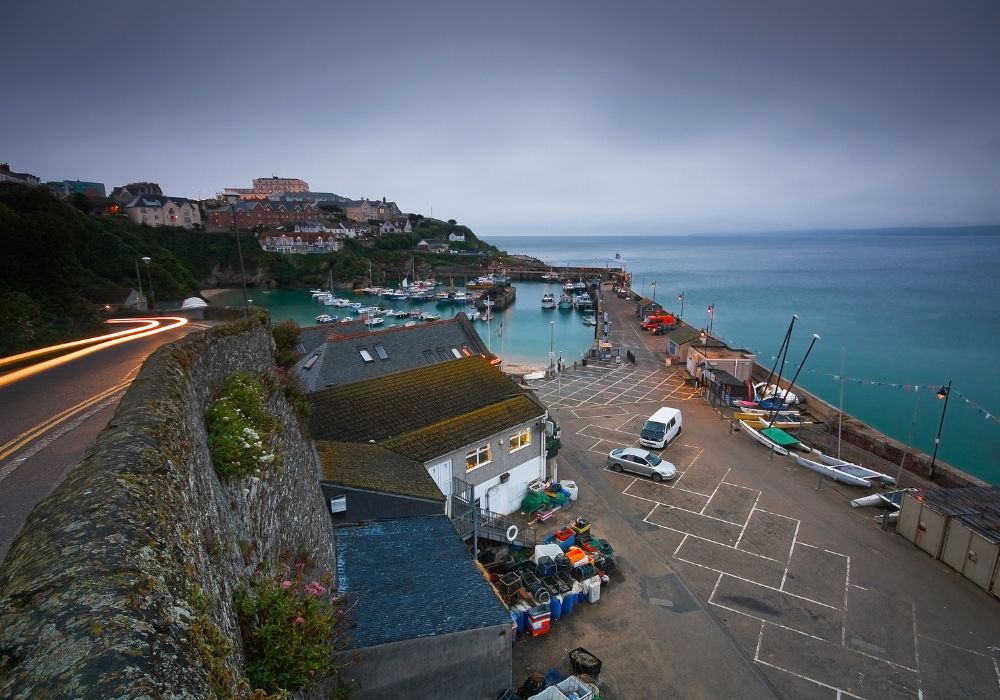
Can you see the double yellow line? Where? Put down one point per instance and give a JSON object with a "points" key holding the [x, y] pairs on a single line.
{"points": [[45, 426]]}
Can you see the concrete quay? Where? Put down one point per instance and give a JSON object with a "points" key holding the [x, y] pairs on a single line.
{"points": [[745, 576]]}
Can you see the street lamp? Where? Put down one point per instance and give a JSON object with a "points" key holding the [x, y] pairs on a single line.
{"points": [[711, 319], [142, 298], [552, 337], [943, 393], [152, 296], [233, 199], [680, 298], [653, 285]]}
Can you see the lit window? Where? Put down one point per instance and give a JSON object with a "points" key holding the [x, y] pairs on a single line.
{"points": [[365, 355], [467, 351], [521, 439], [456, 353], [381, 352], [477, 458]]}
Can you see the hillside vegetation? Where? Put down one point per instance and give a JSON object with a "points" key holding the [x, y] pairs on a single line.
{"points": [[60, 265]]}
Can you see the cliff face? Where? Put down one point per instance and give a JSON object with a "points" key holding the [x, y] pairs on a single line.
{"points": [[121, 582]]}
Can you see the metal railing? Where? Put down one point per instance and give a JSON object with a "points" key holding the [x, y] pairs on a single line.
{"points": [[470, 520]]}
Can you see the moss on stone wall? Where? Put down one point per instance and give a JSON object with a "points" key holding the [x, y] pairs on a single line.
{"points": [[121, 582]]}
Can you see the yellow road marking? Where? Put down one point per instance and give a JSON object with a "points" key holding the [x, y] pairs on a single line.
{"points": [[37, 431]]}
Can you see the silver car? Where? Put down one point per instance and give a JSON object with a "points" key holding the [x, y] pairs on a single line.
{"points": [[641, 461]]}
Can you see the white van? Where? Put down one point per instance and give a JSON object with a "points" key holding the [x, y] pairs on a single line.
{"points": [[662, 427]]}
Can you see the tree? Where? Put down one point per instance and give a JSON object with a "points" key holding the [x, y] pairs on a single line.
{"points": [[452, 222]]}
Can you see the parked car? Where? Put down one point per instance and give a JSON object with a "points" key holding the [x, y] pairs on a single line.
{"points": [[641, 461], [664, 328]]}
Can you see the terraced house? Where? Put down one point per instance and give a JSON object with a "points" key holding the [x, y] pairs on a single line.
{"points": [[459, 418]]}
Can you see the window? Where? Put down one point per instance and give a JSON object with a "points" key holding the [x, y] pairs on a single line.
{"points": [[477, 458], [456, 353], [383, 355], [365, 355], [521, 439]]}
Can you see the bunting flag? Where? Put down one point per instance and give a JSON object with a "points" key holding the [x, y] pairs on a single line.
{"points": [[934, 388]]}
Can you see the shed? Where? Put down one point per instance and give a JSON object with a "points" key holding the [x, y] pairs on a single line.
{"points": [[722, 386], [424, 614], [924, 520], [972, 548]]}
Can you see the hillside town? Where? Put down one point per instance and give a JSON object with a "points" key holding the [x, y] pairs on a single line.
{"points": [[285, 215]]}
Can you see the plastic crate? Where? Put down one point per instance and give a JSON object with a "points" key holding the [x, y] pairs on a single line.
{"points": [[583, 661], [573, 687]]}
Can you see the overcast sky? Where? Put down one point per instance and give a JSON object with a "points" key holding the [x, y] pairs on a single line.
{"points": [[546, 116]]}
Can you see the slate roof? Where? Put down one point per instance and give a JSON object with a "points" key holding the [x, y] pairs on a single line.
{"points": [[411, 578], [371, 467], [157, 200], [432, 409], [682, 335], [339, 358]]}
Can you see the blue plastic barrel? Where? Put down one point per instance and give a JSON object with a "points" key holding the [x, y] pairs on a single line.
{"points": [[568, 602], [556, 604]]}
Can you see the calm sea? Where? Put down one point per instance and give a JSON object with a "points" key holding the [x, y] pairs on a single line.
{"points": [[907, 310]]}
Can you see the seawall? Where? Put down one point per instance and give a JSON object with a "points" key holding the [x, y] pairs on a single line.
{"points": [[121, 582]]}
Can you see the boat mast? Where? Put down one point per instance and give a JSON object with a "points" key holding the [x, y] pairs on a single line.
{"points": [[840, 413], [782, 352], [802, 364]]}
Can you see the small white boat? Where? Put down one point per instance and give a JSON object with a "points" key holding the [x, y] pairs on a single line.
{"points": [[401, 313], [886, 499], [549, 301], [473, 314], [375, 321], [589, 321], [844, 473], [530, 376], [775, 439], [854, 468], [427, 316], [326, 318]]}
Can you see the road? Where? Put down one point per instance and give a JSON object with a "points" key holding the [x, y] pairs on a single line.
{"points": [[47, 421]]}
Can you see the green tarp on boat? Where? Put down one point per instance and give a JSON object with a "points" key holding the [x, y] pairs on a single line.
{"points": [[779, 436]]}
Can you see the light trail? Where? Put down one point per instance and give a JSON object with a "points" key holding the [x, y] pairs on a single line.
{"points": [[146, 324], [26, 372]]}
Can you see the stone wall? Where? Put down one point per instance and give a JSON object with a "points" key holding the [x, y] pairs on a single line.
{"points": [[121, 582]]}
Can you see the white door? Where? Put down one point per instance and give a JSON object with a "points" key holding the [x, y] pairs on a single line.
{"points": [[441, 473]]}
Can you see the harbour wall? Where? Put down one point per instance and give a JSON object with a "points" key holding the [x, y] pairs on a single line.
{"points": [[121, 582]]}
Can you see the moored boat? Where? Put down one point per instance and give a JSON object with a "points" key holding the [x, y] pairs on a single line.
{"points": [[548, 301], [845, 472], [565, 302]]}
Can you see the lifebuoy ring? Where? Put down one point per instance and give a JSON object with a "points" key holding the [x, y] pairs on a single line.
{"points": [[512, 533]]}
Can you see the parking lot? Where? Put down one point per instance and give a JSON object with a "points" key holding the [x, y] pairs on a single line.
{"points": [[741, 577]]}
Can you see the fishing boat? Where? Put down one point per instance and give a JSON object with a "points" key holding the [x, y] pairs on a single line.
{"points": [[565, 302], [548, 301], [583, 302], [459, 298], [443, 298], [326, 318], [428, 316], [589, 320]]}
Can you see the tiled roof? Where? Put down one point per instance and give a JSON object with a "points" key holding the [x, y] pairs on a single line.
{"points": [[395, 405], [682, 335], [412, 578], [371, 467], [469, 428], [340, 361]]}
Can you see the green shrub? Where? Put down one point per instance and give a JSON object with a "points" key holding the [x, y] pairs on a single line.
{"points": [[286, 339], [291, 625], [240, 430]]}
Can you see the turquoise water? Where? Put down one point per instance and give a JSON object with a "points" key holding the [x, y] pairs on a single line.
{"points": [[908, 310], [527, 332]]}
